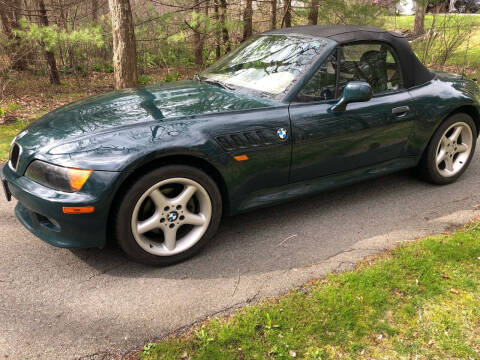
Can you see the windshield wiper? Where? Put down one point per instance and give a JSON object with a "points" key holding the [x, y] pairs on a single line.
{"points": [[219, 83], [213, 82]]}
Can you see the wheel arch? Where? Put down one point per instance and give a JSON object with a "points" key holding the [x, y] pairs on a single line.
{"points": [[470, 110], [177, 159]]}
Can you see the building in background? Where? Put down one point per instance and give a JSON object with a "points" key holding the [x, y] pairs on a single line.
{"points": [[406, 7]]}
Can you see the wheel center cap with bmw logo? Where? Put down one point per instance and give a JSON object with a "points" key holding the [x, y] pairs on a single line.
{"points": [[282, 133], [172, 216]]}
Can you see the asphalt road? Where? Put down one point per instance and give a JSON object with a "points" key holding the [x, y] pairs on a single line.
{"points": [[56, 303]]}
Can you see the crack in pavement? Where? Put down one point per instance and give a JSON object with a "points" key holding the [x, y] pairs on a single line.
{"points": [[100, 273]]}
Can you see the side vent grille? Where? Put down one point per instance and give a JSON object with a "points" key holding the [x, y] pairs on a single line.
{"points": [[248, 140]]}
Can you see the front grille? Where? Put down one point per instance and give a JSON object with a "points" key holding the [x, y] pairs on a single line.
{"points": [[15, 155]]}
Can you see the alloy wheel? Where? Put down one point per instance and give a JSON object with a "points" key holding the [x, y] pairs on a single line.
{"points": [[454, 149], [171, 216]]}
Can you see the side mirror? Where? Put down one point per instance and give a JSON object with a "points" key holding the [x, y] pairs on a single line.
{"points": [[354, 91]]}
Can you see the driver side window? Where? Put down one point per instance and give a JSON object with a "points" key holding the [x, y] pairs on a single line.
{"points": [[322, 85], [374, 63]]}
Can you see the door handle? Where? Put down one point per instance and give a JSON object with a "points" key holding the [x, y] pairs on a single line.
{"points": [[400, 111]]}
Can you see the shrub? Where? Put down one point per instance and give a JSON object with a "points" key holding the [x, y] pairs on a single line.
{"points": [[351, 12], [443, 39], [144, 79]]}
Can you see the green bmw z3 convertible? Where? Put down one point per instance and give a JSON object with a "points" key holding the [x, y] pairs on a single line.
{"points": [[289, 113]]}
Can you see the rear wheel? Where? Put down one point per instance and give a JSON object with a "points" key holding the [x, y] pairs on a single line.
{"points": [[168, 215], [450, 150]]}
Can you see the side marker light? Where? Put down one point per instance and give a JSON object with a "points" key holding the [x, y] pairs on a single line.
{"points": [[240, 158], [78, 210]]}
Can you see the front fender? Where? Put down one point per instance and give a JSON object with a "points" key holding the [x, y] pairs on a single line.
{"points": [[130, 148]]}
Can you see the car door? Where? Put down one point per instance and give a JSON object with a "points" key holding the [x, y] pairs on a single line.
{"points": [[367, 133]]}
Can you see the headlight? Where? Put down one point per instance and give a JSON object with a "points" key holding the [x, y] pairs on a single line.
{"points": [[57, 177]]}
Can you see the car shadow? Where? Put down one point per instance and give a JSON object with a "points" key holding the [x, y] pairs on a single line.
{"points": [[301, 232]]}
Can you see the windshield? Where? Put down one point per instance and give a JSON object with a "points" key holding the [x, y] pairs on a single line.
{"points": [[266, 65]]}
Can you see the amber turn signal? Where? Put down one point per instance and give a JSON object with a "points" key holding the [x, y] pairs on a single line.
{"points": [[78, 177], [78, 210], [241, 158]]}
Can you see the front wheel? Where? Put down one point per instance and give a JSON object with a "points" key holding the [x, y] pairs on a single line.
{"points": [[168, 215], [450, 150]]}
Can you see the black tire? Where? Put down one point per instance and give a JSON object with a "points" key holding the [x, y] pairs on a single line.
{"points": [[427, 166], [129, 198]]}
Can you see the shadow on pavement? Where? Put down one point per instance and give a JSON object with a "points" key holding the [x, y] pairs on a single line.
{"points": [[289, 235]]}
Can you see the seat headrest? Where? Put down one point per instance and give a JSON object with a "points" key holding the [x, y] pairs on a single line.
{"points": [[374, 56]]}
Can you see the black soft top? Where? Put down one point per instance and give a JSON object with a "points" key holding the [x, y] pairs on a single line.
{"points": [[414, 72]]}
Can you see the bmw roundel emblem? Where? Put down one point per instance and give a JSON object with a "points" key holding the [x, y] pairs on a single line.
{"points": [[172, 216], [282, 133]]}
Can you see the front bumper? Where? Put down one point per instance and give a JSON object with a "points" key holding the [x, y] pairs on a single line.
{"points": [[40, 209]]}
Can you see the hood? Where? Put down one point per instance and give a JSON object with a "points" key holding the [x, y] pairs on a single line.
{"points": [[114, 111]]}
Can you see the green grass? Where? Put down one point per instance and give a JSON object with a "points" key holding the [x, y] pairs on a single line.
{"points": [[420, 301], [7, 133], [406, 22], [11, 107], [458, 58]]}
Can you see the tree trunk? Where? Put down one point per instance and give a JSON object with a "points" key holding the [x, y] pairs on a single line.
{"points": [[49, 55], [198, 48], [419, 26], [313, 12], [287, 16], [218, 31], [451, 6], [223, 20], [124, 46], [10, 18], [247, 20], [94, 10], [5, 16], [17, 10], [197, 38], [273, 18]]}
